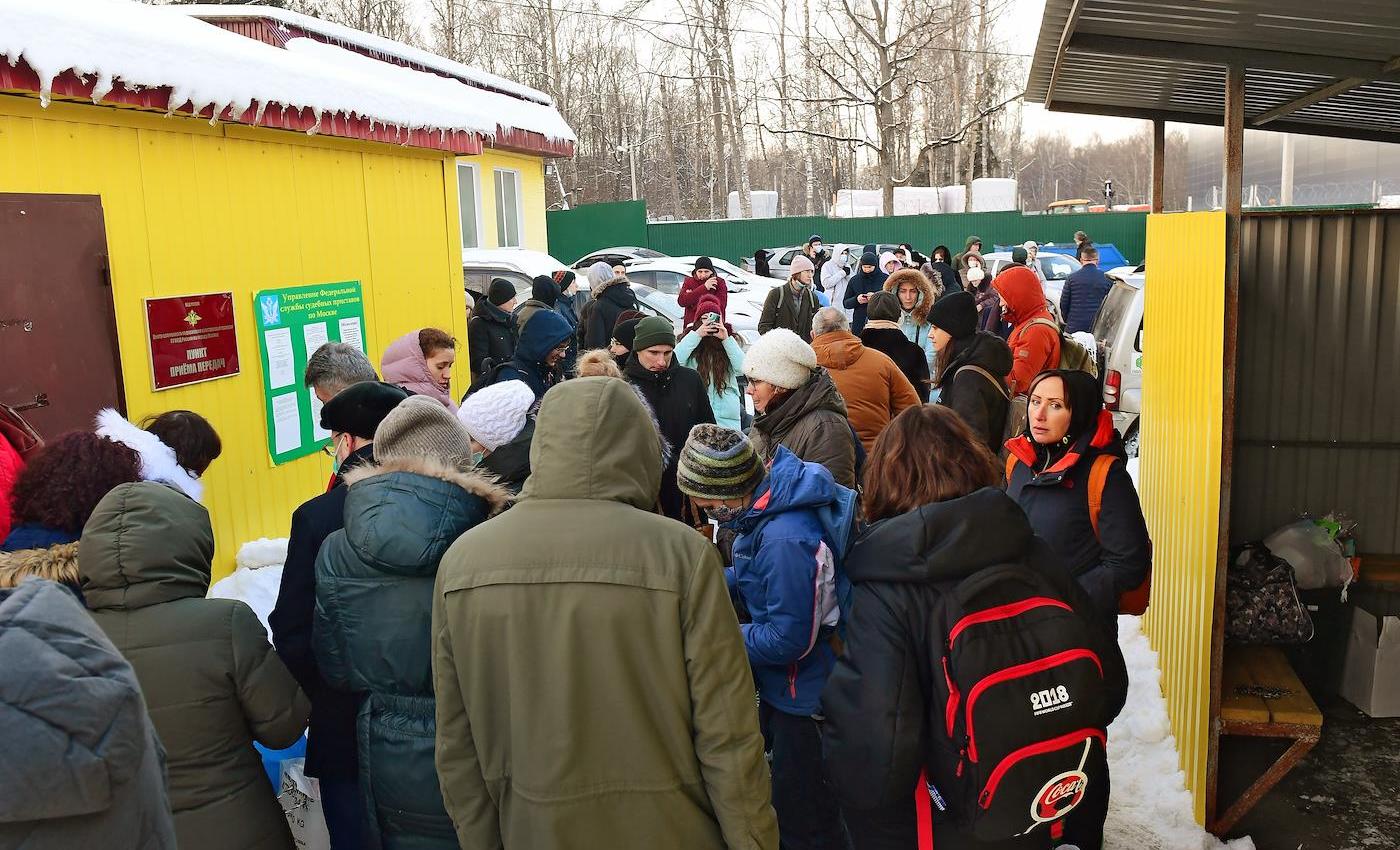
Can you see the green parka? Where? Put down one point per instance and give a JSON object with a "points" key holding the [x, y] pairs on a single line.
{"points": [[592, 687], [212, 683]]}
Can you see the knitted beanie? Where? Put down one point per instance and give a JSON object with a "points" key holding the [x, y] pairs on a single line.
{"points": [[500, 292], [625, 332], [883, 306], [704, 263], [420, 428], [955, 313], [653, 331], [781, 358], [799, 265], [709, 303], [717, 463], [495, 415], [1019, 255]]}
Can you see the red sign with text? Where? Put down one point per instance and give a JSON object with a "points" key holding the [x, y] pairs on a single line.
{"points": [[192, 338]]}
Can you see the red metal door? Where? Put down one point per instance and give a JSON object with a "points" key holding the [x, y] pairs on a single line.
{"points": [[58, 333]]}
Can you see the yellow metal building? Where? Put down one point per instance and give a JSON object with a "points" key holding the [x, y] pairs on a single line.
{"points": [[192, 205]]}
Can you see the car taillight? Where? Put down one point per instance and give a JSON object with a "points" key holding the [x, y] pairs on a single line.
{"points": [[1112, 387]]}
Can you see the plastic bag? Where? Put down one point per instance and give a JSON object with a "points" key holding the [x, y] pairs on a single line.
{"points": [[301, 802], [1312, 553]]}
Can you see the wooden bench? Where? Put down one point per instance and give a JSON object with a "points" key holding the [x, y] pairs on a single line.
{"points": [[1261, 696]]}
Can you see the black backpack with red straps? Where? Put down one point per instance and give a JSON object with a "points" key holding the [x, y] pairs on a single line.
{"points": [[1022, 699]]}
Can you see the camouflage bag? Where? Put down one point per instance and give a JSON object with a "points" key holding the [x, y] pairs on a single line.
{"points": [[1261, 600]]}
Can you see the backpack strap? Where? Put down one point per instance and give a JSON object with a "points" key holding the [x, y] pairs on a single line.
{"points": [[1011, 467], [1098, 477], [923, 812], [1049, 323], [1000, 385]]}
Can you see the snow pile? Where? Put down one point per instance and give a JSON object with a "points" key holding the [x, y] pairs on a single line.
{"points": [[763, 204], [257, 577], [867, 203], [993, 194], [1149, 807], [146, 46], [952, 199]]}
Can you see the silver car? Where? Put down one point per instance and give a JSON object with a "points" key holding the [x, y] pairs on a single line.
{"points": [[1118, 329]]}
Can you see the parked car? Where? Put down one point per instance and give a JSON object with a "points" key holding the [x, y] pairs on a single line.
{"points": [[668, 273], [517, 265], [1055, 268], [780, 263], [745, 307], [1118, 329], [615, 256]]}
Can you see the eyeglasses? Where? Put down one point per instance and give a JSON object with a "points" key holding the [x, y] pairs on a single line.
{"points": [[329, 449]]}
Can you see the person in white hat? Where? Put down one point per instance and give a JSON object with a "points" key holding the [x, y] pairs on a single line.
{"points": [[793, 305], [498, 419], [1032, 249], [798, 406]]}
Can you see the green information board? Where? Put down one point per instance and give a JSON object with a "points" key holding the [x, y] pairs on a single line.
{"points": [[292, 323]]}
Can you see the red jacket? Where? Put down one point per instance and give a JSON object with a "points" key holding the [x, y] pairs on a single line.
{"points": [[1035, 347], [11, 464], [692, 289]]}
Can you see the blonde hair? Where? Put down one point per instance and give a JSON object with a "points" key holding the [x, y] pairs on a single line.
{"points": [[598, 363]]}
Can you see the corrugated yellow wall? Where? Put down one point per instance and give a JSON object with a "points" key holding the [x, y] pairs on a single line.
{"points": [[194, 208], [531, 170], [1182, 394]]}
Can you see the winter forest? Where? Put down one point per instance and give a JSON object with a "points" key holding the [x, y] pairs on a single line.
{"points": [[680, 106]]}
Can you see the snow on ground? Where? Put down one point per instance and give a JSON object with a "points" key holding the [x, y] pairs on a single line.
{"points": [[257, 576], [1150, 808]]}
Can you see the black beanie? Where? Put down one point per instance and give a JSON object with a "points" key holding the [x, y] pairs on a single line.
{"points": [[883, 306], [625, 332], [500, 292], [545, 290], [869, 259], [955, 313], [359, 408], [704, 263], [565, 278]]}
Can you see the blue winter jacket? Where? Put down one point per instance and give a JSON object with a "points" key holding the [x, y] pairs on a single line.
{"points": [[544, 331], [1082, 296], [727, 402], [787, 572]]}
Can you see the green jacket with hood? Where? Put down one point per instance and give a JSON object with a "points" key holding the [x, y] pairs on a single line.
{"points": [[212, 682], [592, 686]]}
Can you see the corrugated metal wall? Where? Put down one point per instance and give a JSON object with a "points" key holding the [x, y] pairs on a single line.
{"points": [[573, 233], [1319, 351], [1182, 423], [196, 208]]}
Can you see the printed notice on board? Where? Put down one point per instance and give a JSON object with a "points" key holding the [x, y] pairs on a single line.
{"points": [[315, 336], [286, 423], [281, 361], [350, 333], [317, 432]]}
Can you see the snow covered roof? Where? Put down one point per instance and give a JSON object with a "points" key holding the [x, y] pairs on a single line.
{"points": [[161, 57]]}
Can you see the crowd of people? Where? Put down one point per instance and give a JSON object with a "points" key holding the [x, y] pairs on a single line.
{"points": [[600, 600]]}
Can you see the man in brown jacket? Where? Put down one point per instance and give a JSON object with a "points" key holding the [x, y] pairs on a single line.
{"points": [[872, 385], [592, 686]]}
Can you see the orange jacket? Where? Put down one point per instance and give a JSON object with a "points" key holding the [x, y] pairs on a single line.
{"points": [[1034, 347], [874, 388]]}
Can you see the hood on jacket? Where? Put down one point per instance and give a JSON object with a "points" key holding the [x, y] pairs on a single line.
{"points": [[838, 350], [619, 282], [403, 514], [793, 484], [145, 544], [158, 462], [71, 706], [947, 253], [1021, 290], [56, 563], [544, 290], [819, 393], [942, 541], [984, 349], [1102, 437], [598, 276], [916, 277], [971, 240], [544, 331], [592, 437], [405, 365], [872, 282]]}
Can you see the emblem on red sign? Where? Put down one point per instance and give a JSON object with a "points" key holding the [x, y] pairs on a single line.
{"points": [[192, 338]]}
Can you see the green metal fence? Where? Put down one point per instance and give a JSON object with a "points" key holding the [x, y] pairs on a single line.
{"points": [[575, 232]]}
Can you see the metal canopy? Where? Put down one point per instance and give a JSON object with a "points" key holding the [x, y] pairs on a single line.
{"points": [[1324, 67]]}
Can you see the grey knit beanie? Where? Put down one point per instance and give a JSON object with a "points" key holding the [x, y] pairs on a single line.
{"points": [[717, 463], [420, 428], [883, 306]]}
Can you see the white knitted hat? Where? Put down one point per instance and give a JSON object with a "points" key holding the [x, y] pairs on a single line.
{"points": [[781, 358], [494, 415]]}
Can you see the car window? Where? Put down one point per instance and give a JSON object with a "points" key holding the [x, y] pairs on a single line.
{"points": [[644, 278], [1115, 307], [478, 279], [787, 258], [647, 253], [1055, 267], [667, 282]]}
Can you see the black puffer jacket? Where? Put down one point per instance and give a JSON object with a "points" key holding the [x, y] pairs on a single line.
{"points": [[908, 356], [510, 464], [610, 301], [881, 730], [678, 398], [490, 338], [975, 398]]}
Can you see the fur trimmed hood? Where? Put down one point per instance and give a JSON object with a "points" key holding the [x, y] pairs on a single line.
{"points": [[604, 287], [916, 277], [478, 484], [158, 461], [56, 563]]}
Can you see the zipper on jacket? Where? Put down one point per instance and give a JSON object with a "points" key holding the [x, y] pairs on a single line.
{"points": [[953, 698], [1065, 741], [1017, 672], [1003, 612]]}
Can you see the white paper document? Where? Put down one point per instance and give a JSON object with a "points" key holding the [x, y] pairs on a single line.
{"points": [[281, 363], [315, 336], [350, 333], [286, 423], [317, 432]]}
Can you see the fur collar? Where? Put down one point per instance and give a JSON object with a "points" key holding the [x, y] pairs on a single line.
{"points": [[158, 461], [56, 563], [618, 279], [497, 498]]}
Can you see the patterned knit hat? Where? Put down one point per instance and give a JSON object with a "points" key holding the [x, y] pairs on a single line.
{"points": [[717, 463], [420, 428]]}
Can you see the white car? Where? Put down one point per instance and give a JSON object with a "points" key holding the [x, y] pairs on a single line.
{"points": [[1054, 269], [520, 266], [669, 273], [615, 256], [745, 307], [1118, 329]]}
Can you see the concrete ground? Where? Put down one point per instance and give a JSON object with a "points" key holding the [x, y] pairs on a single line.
{"points": [[1345, 795]]}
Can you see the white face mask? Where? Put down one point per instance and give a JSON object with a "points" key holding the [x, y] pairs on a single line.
{"points": [[975, 274]]}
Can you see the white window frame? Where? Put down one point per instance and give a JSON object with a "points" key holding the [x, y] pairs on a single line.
{"points": [[476, 194], [518, 212]]}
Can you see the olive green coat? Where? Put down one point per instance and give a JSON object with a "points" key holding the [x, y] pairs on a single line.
{"points": [[592, 687], [212, 683]]}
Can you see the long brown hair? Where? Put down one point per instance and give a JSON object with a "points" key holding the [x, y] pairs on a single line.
{"points": [[927, 454], [712, 361]]}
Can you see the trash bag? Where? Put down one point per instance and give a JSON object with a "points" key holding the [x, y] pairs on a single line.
{"points": [[1312, 553]]}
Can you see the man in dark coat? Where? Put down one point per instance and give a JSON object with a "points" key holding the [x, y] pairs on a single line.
{"points": [[491, 332], [939, 267], [972, 367], [609, 302], [792, 305], [883, 334], [676, 394], [351, 417], [1084, 293], [865, 281]]}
